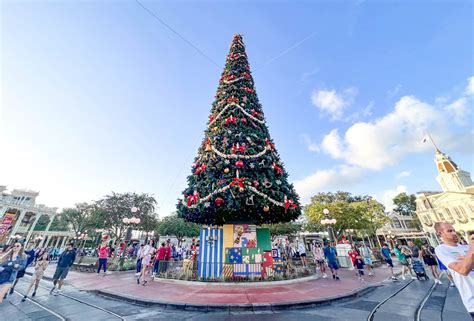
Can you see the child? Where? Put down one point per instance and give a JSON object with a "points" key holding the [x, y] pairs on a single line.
{"points": [[40, 267], [359, 263]]}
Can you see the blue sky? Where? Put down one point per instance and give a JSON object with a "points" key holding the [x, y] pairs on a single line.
{"points": [[99, 96]]}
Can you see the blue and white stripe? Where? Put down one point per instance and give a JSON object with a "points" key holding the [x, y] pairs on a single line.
{"points": [[210, 253]]}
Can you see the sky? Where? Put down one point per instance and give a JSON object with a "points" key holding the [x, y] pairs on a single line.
{"points": [[100, 96]]}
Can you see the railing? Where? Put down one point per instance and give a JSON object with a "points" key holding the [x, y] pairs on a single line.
{"points": [[224, 272]]}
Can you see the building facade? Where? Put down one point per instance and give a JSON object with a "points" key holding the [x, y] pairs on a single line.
{"points": [[19, 215], [455, 204], [400, 229]]}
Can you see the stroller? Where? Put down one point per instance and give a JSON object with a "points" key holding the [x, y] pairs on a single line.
{"points": [[419, 269]]}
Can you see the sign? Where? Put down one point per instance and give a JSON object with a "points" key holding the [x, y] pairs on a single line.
{"points": [[5, 224]]}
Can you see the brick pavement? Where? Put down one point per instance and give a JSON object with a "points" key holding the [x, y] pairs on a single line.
{"points": [[199, 293]]}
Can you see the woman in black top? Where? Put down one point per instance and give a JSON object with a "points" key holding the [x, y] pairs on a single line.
{"points": [[427, 252]]}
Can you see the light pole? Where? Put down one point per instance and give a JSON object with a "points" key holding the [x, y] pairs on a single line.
{"points": [[129, 222], [329, 222]]}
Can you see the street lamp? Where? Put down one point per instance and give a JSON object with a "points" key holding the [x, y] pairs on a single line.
{"points": [[329, 222], [129, 222]]}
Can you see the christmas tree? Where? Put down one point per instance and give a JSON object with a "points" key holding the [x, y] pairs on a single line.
{"points": [[238, 175]]}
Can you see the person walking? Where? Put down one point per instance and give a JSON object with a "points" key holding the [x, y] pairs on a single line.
{"points": [[302, 252], [30, 257], [401, 254], [103, 251], [359, 264], [140, 253], [331, 256], [41, 266], [353, 255], [318, 255], [65, 261], [13, 261], [385, 251], [366, 254], [415, 250], [459, 259], [429, 258]]}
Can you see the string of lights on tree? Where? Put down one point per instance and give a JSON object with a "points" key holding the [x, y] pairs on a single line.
{"points": [[238, 175]]}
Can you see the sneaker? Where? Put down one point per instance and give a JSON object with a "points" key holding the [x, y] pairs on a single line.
{"points": [[337, 278], [56, 292], [439, 282], [394, 278], [452, 284], [413, 278], [24, 299], [325, 276], [138, 281], [137, 274], [333, 276], [11, 291], [403, 278], [52, 290], [34, 293], [370, 274]]}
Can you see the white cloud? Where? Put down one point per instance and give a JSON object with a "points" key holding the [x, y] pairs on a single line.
{"points": [[470, 86], [312, 146], [403, 174], [384, 142], [337, 178], [460, 110], [333, 103], [386, 196]]}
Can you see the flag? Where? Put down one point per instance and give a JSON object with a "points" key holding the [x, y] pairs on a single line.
{"points": [[425, 138]]}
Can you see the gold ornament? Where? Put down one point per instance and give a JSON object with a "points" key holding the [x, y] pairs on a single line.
{"points": [[214, 129], [226, 170], [266, 208]]}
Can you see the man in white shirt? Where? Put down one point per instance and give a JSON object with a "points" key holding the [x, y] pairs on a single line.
{"points": [[459, 259]]}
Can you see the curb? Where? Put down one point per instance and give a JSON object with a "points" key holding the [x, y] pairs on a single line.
{"points": [[256, 307]]}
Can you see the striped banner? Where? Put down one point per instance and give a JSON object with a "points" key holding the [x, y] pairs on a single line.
{"points": [[210, 253]]}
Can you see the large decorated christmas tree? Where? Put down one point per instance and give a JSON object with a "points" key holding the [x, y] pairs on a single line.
{"points": [[238, 175]]}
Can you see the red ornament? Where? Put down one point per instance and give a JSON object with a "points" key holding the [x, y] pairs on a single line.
{"points": [[241, 148], [239, 164], [277, 168], [256, 184], [233, 149], [219, 201], [232, 99], [243, 120]]}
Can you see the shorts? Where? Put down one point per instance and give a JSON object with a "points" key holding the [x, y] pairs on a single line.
{"points": [[404, 263], [368, 261], [319, 261], [389, 262], [61, 273], [361, 272], [333, 265], [303, 254], [20, 274]]}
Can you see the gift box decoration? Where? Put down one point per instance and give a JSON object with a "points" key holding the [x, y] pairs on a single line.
{"points": [[246, 259], [246, 270], [228, 271], [210, 253], [235, 255]]}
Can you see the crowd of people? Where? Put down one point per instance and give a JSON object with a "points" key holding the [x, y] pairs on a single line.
{"points": [[453, 257]]}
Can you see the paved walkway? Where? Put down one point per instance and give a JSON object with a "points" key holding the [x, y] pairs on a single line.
{"points": [[124, 284]]}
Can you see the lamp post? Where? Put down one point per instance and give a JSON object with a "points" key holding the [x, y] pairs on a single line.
{"points": [[129, 222], [329, 222]]}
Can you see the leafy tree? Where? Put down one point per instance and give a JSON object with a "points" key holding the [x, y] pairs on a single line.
{"points": [[177, 226], [115, 207], [238, 174], [59, 224], [289, 229], [405, 204], [360, 213]]}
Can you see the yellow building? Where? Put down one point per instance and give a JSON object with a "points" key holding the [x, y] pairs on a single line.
{"points": [[455, 204]]}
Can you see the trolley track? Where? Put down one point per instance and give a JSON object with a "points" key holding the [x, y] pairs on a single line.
{"points": [[419, 308], [43, 307], [67, 296]]}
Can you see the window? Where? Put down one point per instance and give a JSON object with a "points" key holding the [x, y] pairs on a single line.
{"points": [[396, 223], [427, 204], [449, 215]]}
